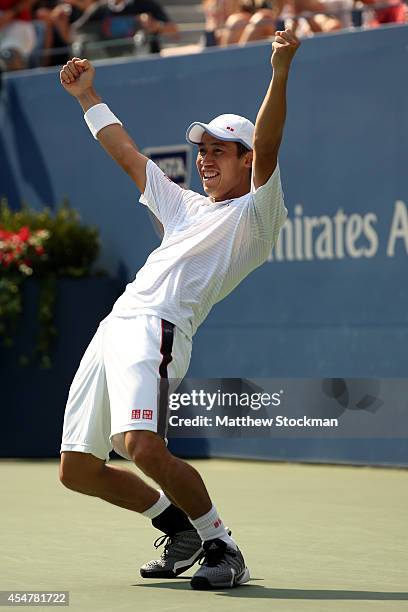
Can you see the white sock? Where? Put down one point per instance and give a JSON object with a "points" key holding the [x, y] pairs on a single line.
{"points": [[210, 526], [158, 507]]}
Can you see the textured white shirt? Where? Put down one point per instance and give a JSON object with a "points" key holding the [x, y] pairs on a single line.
{"points": [[208, 248]]}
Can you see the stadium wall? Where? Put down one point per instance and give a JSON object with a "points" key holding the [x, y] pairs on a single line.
{"points": [[332, 301]]}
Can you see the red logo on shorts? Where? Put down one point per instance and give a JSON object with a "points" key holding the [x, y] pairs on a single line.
{"points": [[217, 523], [135, 414], [148, 414]]}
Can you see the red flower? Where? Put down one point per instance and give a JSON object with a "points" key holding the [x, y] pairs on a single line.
{"points": [[18, 250], [4, 234], [24, 233]]}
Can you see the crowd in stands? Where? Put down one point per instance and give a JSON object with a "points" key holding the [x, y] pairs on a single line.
{"points": [[242, 21], [46, 32]]}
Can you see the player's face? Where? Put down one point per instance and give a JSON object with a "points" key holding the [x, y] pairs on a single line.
{"points": [[224, 175]]}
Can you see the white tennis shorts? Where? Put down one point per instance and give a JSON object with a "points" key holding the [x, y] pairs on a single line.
{"points": [[122, 383]]}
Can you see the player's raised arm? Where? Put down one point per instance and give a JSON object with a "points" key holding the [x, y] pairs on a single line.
{"points": [[77, 77], [271, 116]]}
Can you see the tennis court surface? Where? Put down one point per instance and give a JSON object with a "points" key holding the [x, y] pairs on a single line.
{"points": [[316, 538]]}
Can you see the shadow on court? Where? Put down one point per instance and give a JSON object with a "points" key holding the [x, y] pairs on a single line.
{"points": [[253, 591]]}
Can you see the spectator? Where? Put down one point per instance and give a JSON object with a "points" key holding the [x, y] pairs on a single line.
{"points": [[240, 21], [117, 19], [331, 15], [216, 13], [263, 23], [236, 23], [57, 19], [396, 12], [17, 33], [153, 19], [316, 16]]}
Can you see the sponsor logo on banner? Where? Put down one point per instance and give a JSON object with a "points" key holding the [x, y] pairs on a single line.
{"points": [[175, 161], [341, 235]]}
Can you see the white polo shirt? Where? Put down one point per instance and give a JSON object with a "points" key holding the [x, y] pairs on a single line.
{"points": [[208, 248]]}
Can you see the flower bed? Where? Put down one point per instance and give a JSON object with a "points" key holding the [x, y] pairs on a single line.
{"points": [[45, 246]]}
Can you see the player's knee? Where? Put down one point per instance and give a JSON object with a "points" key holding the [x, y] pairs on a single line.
{"points": [[78, 471], [147, 450], [68, 478]]}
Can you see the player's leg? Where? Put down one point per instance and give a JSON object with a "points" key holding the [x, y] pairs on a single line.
{"points": [[87, 474], [85, 447], [138, 354], [128, 359], [185, 485], [224, 565]]}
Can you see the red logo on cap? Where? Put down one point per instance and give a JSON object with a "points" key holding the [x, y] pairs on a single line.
{"points": [[135, 414], [230, 128], [148, 414]]}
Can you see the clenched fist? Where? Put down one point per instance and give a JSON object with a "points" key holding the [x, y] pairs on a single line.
{"points": [[284, 48], [77, 76]]}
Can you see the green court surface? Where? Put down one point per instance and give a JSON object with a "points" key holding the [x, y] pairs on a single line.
{"points": [[316, 538]]}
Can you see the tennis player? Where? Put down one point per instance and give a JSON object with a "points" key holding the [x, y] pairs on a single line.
{"points": [[210, 244]]}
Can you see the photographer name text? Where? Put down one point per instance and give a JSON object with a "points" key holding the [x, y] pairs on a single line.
{"points": [[248, 421]]}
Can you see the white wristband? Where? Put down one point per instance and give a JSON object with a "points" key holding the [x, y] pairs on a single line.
{"points": [[98, 117]]}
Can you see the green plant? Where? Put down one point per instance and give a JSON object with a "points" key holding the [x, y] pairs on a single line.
{"points": [[47, 246]]}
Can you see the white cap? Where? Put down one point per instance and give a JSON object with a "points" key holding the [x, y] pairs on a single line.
{"points": [[223, 127]]}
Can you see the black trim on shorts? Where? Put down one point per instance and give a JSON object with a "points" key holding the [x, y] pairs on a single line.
{"points": [[166, 347]]}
